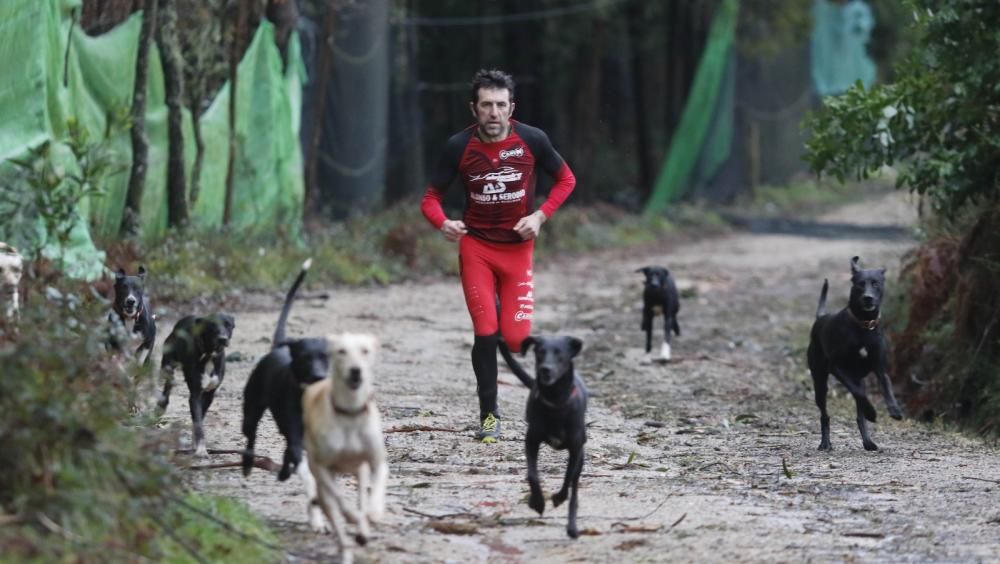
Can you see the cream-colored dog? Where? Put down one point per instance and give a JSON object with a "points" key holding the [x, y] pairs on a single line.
{"points": [[10, 277], [343, 435]]}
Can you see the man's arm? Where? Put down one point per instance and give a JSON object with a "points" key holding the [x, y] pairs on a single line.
{"points": [[442, 176], [553, 164], [431, 207]]}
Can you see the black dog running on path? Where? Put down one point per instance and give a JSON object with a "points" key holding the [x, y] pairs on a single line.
{"points": [[849, 344], [276, 384], [192, 345], [659, 295], [131, 312], [556, 415]]}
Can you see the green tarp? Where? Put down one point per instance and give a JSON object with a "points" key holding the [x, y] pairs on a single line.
{"points": [[44, 85], [838, 46], [702, 141]]}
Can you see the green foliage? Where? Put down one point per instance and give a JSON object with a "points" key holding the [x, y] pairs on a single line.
{"points": [[85, 478], [808, 196], [52, 187], [938, 121]]}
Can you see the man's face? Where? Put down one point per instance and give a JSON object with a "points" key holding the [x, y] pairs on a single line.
{"points": [[492, 112]]}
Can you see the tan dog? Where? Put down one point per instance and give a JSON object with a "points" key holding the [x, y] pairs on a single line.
{"points": [[343, 435], [11, 264]]}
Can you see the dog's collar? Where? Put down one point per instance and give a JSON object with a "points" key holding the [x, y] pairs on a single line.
{"points": [[350, 412], [572, 394], [869, 324]]}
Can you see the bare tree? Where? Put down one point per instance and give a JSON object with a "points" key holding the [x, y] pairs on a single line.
{"points": [[140, 143], [319, 106], [173, 73], [235, 53]]}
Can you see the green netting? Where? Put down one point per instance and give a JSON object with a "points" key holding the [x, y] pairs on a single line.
{"points": [[35, 103], [703, 137], [838, 51]]}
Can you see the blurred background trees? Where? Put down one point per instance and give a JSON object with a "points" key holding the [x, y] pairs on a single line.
{"points": [[608, 79]]}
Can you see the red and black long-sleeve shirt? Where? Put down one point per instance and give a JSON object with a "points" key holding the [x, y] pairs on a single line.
{"points": [[499, 180]]}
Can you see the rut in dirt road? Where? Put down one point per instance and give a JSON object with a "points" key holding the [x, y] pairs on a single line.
{"points": [[712, 457]]}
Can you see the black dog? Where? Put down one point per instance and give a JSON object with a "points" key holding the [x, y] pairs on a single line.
{"points": [[194, 342], [659, 294], [849, 344], [131, 312], [276, 384], [555, 414]]}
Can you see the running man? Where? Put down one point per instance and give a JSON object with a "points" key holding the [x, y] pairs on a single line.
{"points": [[497, 159]]}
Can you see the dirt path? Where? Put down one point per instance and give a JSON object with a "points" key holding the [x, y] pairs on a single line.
{"points": [[686, 461]]}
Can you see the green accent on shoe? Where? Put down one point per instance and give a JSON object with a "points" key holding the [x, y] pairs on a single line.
{"points": [[489, 431]]}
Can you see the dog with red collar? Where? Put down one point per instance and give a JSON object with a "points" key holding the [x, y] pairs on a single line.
{"points": [[131, 315], [556, 415], [850, 345]]}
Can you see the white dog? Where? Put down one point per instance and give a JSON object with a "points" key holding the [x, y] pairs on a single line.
{"points": [[343, 435], [10, 277]]}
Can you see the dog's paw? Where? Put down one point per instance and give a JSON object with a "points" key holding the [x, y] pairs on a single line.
{"points": [[201, 451], [868, 410], [559, 497], [376, 515], [318, 524], [665, 352], [360, 539], [285, 473], [537, 502], [825, 445], [162, 402], [895, 412], [869, 445], [572, 532], [247, 462]]}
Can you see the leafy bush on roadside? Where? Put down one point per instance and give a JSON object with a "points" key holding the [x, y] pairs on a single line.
{"points": [[85, 478], [938, 122]]}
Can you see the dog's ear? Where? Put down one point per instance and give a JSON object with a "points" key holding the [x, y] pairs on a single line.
{"points": [[575, 345], [882, 271], [526, 344], [644, 270], [854, 265], [120, 273], [142, 273]]}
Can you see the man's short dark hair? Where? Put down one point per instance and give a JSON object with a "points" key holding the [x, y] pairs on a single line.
{"points": [[491, 79]]}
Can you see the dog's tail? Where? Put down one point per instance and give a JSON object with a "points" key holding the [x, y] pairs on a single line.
{"points": [[821, 307], [514, 365], [279, 331]]}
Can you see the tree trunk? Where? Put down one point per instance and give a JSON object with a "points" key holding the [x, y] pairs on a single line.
{"points": [[586, 132], [636, 23], [140, 144], [319, 106], [284, 14], [199, 153], [234, 62], [173, 74]]}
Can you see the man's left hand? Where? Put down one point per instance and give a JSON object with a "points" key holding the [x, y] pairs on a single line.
{"points": [[529, 226]]}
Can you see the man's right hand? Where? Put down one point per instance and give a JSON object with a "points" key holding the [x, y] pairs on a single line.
{"points": [[453, 229]]}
